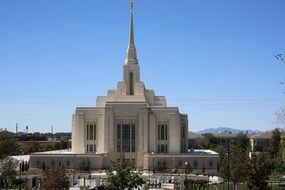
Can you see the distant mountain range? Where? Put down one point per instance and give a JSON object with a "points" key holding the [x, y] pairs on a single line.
{"points": [[225, 129]]}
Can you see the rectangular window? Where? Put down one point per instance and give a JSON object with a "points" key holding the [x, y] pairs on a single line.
{"points": [[119, 139], [94, 132], [38, 163], [91, 132], [159, 164], [87, 132], [158, 132], [183, 132], [195, 163], [133, 138], [53, 163], [126, 137], [67, 163], [162, 148], [162, 132], [164, 164], [165, 132], [210, 163], [131, 84], [91, 148], [88, 162]]}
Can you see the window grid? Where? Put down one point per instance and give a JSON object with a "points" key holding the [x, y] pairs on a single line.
{"points": [[162, 135], [91, 132], [126, 138]]}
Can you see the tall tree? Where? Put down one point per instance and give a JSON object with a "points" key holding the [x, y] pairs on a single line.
{"points": [[122, 175], [282, 143], [55, 179], [7, 173], [242, 142], [274, 146], [238, 165], [259, 169], [8, 144]]}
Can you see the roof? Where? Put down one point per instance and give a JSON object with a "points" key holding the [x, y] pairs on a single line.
{"points": [[192, 135], [64, 151], [225, 135], [265, 135], [21, 158], [192, 152], [203, 152]]}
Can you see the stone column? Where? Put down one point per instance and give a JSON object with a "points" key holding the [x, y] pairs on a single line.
{"points": [[109, 134], [152, 133], [81, 133], [142, 136], [174, 133]]}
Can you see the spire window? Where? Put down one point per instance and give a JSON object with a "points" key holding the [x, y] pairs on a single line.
{"points": [[131, 83]]}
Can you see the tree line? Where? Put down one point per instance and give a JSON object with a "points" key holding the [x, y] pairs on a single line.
{"points": [[239, 164]]}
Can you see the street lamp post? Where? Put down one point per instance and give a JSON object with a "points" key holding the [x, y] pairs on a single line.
{"points": [[148, 176], [186, 168], [20, 168], [152, 153]]}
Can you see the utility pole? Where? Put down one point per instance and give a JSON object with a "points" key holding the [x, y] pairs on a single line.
{"points": [[20, 168], [186, 168]]}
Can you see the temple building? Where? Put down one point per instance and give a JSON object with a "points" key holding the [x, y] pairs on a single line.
{"points": [[130, 121]]}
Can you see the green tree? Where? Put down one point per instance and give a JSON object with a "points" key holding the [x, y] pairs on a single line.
{"points": [[196, 184], [279, 162], [274, 146], [8, 144], [223, 167], [7, 173], [55, 179], [61, 145], [122, 175], [282, 143], [242, 142], [209, 141], [259, 169], [32, 147], [238, 165]]}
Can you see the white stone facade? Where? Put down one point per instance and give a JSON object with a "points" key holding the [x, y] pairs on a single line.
{"points": [[131, 120]]}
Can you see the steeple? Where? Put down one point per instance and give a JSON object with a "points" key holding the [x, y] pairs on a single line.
{"points": [[131, 66], [131, 57]]}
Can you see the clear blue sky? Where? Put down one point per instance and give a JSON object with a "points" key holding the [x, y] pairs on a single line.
{"points": [[212, 59]]}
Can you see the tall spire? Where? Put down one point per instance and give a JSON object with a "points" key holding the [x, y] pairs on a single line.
{"points": [[131, 52]]}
